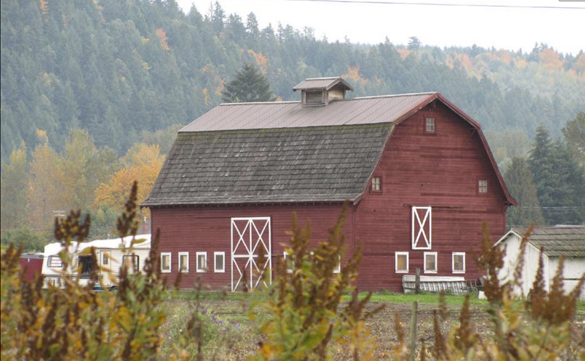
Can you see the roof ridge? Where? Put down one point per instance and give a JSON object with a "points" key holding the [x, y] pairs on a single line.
{"points": [[259, 103], [338, 100], [394, 95]]}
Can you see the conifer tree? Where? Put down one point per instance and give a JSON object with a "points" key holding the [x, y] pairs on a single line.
{"points": [[522, 188], [574, 134], [249, 85]]}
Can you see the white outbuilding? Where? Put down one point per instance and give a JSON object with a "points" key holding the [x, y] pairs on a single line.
{"points": [[566, 241]]}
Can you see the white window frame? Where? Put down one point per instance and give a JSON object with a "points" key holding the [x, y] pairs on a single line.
{"points": [[436, 262], [338, 268], [57, 264], [396, 270], [215, 269], [421, 237], [430, 125], [289, 267], [186, 269], [199, 268], [376, 184], [162, 255], [482, 188], [453, 262]]}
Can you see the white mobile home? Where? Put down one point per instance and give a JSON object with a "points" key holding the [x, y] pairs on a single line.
{"points": [[110, 253], [566, 241]]}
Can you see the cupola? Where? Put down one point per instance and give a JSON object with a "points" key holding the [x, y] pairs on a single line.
{"points": [[318, 92]]}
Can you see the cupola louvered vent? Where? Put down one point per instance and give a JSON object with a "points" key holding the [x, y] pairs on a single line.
{"points": [[322, 91]]}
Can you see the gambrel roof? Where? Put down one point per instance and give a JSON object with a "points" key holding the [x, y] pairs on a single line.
{"points": [[567, 241], [282, 152]]}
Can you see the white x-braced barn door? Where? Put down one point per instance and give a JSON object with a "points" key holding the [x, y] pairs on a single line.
{"points": [[421, 228], [248, 235]]}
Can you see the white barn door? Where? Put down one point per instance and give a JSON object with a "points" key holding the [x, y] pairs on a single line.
{"points": [[248, 235]]}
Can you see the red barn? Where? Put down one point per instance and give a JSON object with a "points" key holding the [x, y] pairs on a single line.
{"points": [[417, 171]]}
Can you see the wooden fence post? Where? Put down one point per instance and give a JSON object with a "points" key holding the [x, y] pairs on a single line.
{"points": [[417, 282], [413, 321]]}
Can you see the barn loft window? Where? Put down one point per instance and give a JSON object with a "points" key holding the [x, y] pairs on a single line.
{"points": [[430, 125], [131, 261], [482, 186], [430, 262], [165, 262], [458, 262], [219, 262], [376, 184], [401, 262], [184, 262], [201, 262], [421, 228]]}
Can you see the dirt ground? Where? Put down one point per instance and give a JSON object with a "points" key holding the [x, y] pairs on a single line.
{"points": [[236, 338]]}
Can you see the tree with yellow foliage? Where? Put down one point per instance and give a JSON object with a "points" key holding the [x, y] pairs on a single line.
{"points": [[142, 162]]}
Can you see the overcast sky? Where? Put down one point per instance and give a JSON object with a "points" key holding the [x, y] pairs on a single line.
{"points": [[440, 25]]}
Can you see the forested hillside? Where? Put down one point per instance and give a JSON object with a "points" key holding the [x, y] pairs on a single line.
{"points": [[117, 68], [93, 93]]}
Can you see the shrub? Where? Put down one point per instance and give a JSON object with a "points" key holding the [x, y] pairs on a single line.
{"points": [[304, 312], [75, 322]]}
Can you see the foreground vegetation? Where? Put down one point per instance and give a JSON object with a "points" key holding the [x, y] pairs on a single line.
{"points": [[310, 313]]}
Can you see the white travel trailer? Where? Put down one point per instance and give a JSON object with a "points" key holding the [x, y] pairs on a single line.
{"points": [[111, 254]]}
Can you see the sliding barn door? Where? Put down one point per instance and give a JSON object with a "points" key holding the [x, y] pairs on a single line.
{"points": [[249, 237]]}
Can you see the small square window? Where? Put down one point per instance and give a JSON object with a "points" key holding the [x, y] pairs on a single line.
{"points": [[430, 262], [401, 262], [458, 262], [165, 262], [105, 259], [376, 184], [482, 186], [219, 262], [184, 262], [429, 125], [201, 262]]}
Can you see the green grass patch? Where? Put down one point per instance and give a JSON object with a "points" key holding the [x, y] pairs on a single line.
{"points": [[422, 298]]}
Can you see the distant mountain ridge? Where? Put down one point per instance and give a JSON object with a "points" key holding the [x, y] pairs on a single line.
{"points": [[119, 68]]}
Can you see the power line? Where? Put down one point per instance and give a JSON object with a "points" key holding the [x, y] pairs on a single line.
{"points": [[373, 2]]}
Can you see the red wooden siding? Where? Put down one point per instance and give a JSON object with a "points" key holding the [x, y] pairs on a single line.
{"points": [[208, 229], [439, 170]]}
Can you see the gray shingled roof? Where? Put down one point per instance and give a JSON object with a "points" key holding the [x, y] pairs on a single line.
{"points": [[370, 110], [270, 165], [568, 241], [321, 84]]}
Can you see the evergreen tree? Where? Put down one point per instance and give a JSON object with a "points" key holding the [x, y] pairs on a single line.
{"points": [[542, 168], [521, 186], [249, 85], [574, 134], [559, 180]]}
